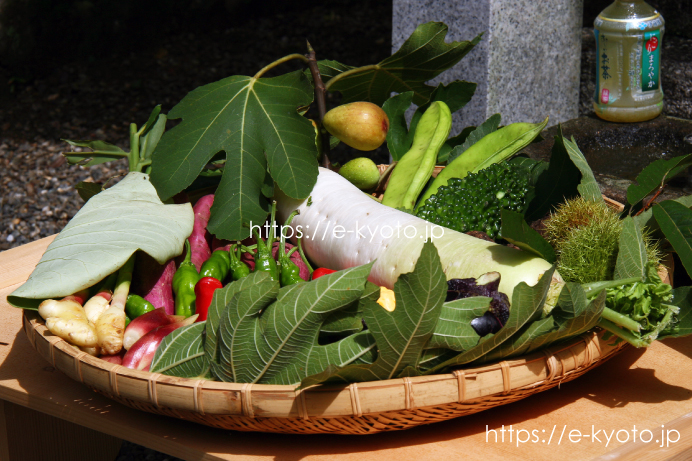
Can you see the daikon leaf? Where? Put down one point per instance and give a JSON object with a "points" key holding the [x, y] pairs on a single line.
{"points": [[103, 235]]}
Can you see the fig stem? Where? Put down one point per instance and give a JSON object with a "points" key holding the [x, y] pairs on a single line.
{"points": [[270, 66], [320, 92]]}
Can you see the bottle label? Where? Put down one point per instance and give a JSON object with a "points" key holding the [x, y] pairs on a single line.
{"points": [[651, 57], [608, 68]]}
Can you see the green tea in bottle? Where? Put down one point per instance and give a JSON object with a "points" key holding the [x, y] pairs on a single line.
{"points": [[629, 38]]}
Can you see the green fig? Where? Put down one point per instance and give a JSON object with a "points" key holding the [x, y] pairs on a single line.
{"points": [[361, 125], [361, 172]]}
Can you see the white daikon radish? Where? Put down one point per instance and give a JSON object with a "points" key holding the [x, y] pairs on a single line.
{"points": [[342, 227]]}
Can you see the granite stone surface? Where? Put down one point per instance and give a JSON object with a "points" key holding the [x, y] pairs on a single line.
{"points": [[528, 62], [534, 60]]}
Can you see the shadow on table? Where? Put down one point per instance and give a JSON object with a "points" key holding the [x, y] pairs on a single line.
{"points": [[605, 385]]}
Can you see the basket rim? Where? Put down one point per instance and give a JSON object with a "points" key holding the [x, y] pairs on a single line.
{"points": [[549, 366]]}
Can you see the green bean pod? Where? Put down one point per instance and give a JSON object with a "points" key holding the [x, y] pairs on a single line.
{"points": [[414, 169], [492, 148]]}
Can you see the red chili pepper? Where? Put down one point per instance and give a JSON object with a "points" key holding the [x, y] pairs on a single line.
{"points": [[204, 291], [320, 271]]}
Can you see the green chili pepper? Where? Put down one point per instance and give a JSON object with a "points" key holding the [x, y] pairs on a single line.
{"points": [[216, 266], [238, 268], [290, 272], [136, 306], [264, 261], [184, 282]]}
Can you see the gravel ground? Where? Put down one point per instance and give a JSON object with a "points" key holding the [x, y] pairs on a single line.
{"points": [[98, 98]]}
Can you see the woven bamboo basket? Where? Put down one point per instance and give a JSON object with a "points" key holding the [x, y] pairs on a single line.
{"points": [[358, 408]]}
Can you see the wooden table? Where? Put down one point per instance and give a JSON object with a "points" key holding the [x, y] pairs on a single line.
{"points": [[45, 412]]}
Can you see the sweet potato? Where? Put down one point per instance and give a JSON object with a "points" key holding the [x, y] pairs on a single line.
{"points": [[153, 282], [199, 243], [141, 353]]}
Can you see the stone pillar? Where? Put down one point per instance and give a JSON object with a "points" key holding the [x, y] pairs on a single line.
{"points": [[527, 64]]}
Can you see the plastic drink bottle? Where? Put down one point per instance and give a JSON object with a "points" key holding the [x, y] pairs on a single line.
{"points": [[629, 38]]}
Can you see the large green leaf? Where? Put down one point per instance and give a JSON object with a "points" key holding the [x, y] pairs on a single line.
{"points": [[241, 315], [516, 231], [222, 297], [588, 187], [422, 57], [400, 136], [181, 353], [350, 319], [259, 348], [401, 335], [556, 183], [656, 175], [646, 218], [527, 304], [631, 260], [359, 348], [568, 326], [103, 235], [520, 343], [453, 329], [675, 220], [255, 121], [398, 141]]}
